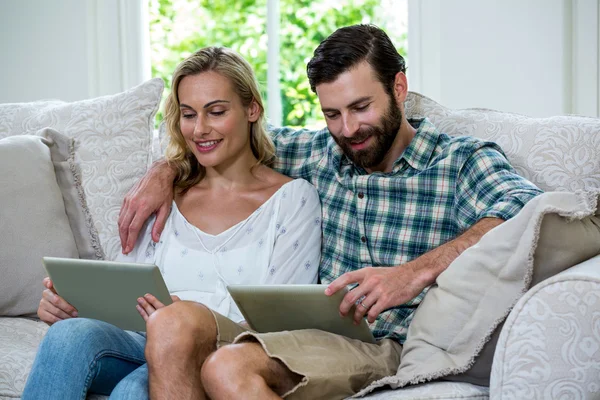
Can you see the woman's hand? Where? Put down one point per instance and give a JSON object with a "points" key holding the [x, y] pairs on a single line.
{"points": [[148, 304], [54, 308]]}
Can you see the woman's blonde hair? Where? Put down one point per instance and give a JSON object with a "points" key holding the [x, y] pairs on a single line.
{"points": [[232, 66]]}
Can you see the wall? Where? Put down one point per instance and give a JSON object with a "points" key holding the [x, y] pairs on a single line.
{"points": [[43, 47], [71, 49], [535, 57]]}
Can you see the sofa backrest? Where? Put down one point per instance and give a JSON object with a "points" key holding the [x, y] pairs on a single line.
{"points": [[556, 153]]}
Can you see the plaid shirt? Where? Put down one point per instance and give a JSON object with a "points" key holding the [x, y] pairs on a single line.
{"points": [[438, 188]]}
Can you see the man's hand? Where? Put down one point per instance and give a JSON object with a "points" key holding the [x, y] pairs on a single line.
{"points": [[379, 288], [54, 308], [148, 304], [153, 194]]}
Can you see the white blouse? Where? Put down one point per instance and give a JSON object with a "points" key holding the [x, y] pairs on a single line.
{"points": [[278, 243]]}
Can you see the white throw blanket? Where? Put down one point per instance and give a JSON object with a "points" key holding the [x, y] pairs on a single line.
{"points": [[453, 334]]}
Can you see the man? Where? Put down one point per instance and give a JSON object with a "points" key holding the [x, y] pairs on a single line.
{"points": [[400, 202]]}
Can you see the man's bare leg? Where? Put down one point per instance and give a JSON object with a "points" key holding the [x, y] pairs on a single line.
{"points": [[179, 338], [245, 371]]}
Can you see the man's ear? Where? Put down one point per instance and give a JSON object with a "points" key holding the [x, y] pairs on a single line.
{"points": [[253, 111], [400, 87]]}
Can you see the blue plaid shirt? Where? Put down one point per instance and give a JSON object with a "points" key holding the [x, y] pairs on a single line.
{"points": [[438, 188]]}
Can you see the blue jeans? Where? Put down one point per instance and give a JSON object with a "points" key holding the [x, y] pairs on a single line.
{"points": [[82, 355]]}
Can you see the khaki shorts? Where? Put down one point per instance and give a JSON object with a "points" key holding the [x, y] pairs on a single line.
{"points": [[332, 366], [227, 330]]}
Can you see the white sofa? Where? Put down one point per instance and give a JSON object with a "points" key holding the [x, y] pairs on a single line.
{"points": [[549, 346]]}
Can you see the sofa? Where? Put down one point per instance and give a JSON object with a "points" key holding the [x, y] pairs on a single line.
{"points": [[86, 155]]}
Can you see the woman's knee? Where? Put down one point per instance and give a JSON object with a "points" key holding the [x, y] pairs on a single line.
{"points": [[74, 342], [181, 329], [73, 334]]}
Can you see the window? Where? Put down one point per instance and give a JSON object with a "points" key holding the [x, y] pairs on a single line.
{"points": [[277, 37]]}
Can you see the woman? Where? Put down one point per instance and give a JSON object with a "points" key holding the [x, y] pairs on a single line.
{"points": [[234, 220]]}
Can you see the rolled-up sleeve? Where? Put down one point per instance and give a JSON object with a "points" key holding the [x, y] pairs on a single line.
{"points": [[298, 150], [489, 187]]}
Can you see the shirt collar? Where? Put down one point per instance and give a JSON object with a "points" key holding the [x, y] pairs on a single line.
{"points": [[421, 148]]}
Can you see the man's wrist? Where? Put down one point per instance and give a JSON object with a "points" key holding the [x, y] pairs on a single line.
{"points": [[163, 171], [425, 270]]}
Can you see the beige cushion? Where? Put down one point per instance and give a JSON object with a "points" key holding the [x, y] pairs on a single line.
{"points": [[459, 315], [114, 137], [33, 220], [68, 177], [556, 153]]}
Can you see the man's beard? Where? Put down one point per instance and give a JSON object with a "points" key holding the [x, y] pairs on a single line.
{"points": [[383, 135]]}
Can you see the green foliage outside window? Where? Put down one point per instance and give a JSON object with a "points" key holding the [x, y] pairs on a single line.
{"points": [[180, 27]]}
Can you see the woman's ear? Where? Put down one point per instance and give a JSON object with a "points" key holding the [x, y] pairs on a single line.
{"points": [[253, 111]]}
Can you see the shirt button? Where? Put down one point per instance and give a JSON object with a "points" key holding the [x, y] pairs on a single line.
{"points": [[361, 195], [363, 239]]}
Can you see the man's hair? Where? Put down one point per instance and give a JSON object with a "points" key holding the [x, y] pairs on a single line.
{"points": [[234, 67], [351, 45]]}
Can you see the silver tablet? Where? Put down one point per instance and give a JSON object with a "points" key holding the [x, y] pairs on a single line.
{"points": [[274, 308], [107, 290]]}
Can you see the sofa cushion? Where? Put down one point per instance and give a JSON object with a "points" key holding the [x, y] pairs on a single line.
{"points": [[114, 138], [33, 219], [455, 328], [19, 340], [556, 153]]}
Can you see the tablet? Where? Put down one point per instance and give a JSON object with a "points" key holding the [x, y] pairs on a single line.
{"points": [[274, 308], [107, 290]]}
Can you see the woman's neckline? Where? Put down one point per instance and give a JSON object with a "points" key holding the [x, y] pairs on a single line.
{"points": [[226, 231]]}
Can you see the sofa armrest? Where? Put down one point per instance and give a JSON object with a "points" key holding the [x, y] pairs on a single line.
{"points": [[549, 346]]}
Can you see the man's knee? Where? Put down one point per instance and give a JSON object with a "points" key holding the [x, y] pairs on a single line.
{"points": [[181, 330], [236, 368], [222, 369]]}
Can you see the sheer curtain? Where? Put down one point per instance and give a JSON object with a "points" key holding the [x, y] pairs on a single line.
{"points": [[118, 45]]}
